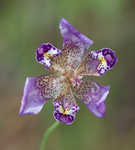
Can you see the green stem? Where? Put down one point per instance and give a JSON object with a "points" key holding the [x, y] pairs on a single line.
{"points": [[47, 134]]}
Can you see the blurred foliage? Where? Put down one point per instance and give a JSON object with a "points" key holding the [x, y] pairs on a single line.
{"points": [[24, 25]]}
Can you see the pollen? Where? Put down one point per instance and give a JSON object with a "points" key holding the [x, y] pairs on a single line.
{"points": [[63, 111], [47, 55], [102, 63], [102, 60]]}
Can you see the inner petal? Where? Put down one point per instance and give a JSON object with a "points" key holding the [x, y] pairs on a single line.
{"points": [[45, 53], [65, 108], [98, 62]]}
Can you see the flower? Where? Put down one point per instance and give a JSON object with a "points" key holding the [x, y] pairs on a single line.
{"points": [[70, 68]]}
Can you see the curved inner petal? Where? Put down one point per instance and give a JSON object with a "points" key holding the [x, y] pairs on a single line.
{"points": [[38, 90], [75, 44], [98, 62], [93, 95], [45, 53], [65, 108]]}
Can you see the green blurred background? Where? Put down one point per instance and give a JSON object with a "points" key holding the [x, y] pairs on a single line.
{"points": [[24, 25]]}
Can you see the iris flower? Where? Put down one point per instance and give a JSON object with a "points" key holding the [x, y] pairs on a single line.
{"points": [[71, 69]]}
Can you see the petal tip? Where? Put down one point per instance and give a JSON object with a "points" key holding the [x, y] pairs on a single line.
{"points": [[98, 110], [110, 56], [69, 33], [63, 20], [21, 113]]}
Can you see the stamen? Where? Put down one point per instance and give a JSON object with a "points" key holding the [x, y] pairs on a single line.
{"points": [[64, 111], [47, 55], [103, 63]]}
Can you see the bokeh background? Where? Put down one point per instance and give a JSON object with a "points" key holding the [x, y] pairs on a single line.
{"points": [[24, 25]]}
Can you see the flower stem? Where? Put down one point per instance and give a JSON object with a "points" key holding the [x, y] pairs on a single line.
{"points": [[47, 134]]}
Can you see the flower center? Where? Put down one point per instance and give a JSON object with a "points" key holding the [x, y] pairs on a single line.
{"points": [[73, 78]]}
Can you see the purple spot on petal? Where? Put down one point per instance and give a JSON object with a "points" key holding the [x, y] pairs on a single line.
{"points": [[57, 116], [109, 56], [40, 51], [67, 119], [46, 47]]}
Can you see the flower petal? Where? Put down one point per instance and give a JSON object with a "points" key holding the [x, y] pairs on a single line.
{"points": [[45, 53], [65, 108], [37, 91], [98, 62], [93, 95], [97, 110], [75, 44], [32, 101]]}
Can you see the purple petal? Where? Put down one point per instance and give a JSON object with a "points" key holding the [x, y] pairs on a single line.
{"points": [[37, 91], [45, 53], [98, 62], [32, 101], [93, 95], [75, 44], [65, 109], [98, 110], [69, 33]]}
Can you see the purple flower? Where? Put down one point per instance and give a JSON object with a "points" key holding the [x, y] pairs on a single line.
{"points": [[70, 69]]}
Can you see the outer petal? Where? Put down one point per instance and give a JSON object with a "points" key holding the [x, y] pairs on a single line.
{"points": [[32, 101], [75, 44], [65, 108], [97, 110], [98, 62], [93, 95], [45, 53], [37, 91]]}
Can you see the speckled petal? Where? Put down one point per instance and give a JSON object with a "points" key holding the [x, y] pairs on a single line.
{"points": [[65, 109], [37, 91], [75, 44], [98, 62], [93, 95], [45, 53]]}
